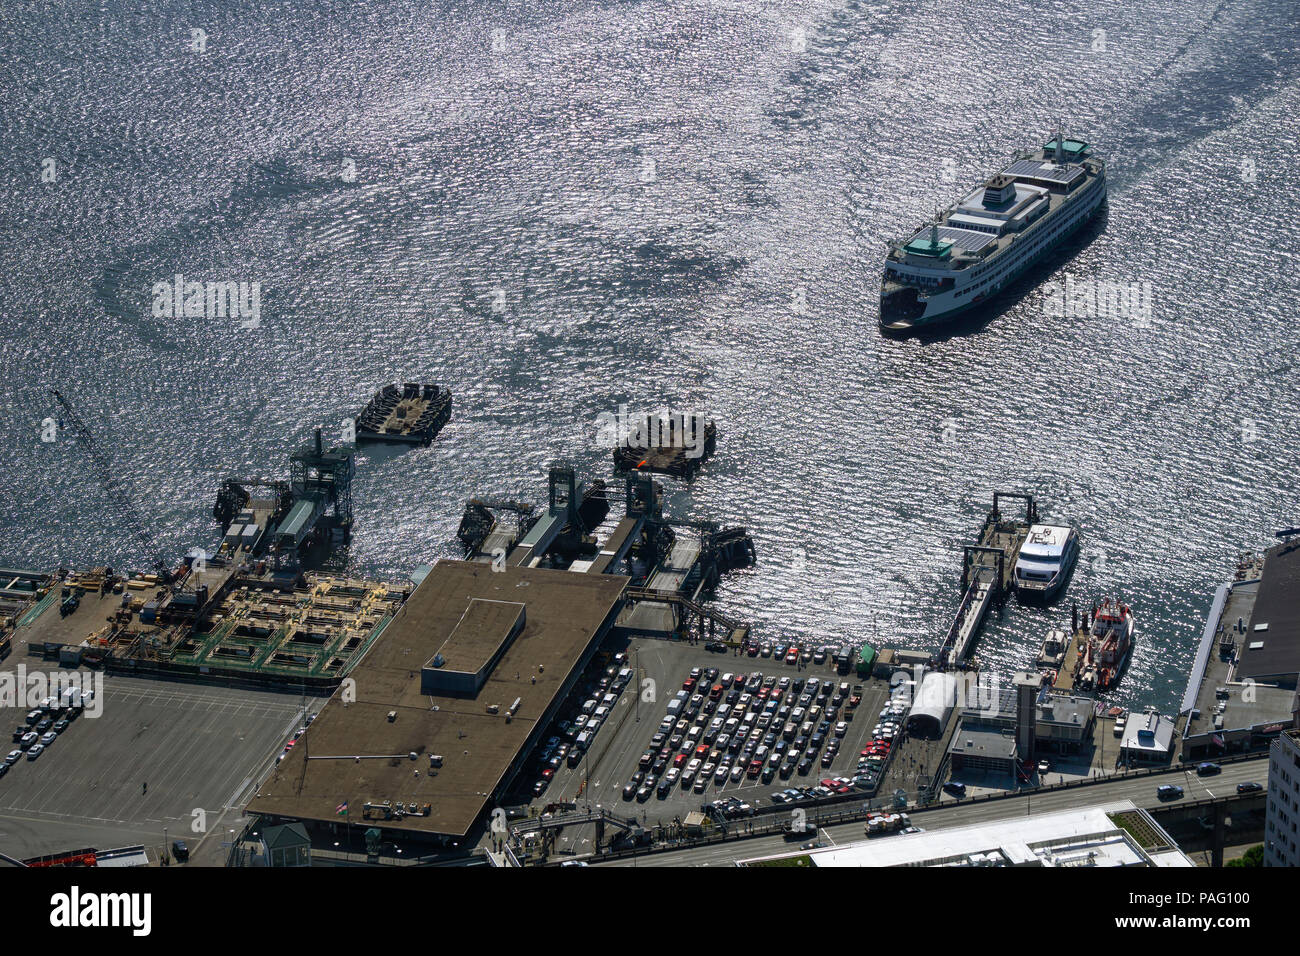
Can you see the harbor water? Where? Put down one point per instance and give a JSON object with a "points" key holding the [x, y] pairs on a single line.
{"points": [[559, 208]]}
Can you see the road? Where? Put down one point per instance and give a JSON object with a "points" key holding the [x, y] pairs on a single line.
{"points": [[1141, 790]]}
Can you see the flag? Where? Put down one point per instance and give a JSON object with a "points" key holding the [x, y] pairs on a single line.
{"points": [[342, 809]]}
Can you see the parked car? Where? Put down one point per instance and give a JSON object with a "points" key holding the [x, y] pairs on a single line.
{"points": [[957, 790], [35, 751]]}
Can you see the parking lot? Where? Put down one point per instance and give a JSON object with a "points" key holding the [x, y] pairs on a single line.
{"points": [[158, 755], [612, 775]]}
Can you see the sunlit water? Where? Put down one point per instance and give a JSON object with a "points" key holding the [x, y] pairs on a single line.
{"points": [[561, 207]]}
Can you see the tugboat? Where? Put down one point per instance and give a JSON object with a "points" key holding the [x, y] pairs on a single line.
{"points": [[1107, 648]]}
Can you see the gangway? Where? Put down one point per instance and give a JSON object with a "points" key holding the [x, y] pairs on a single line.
{"points": [[680, 613]]}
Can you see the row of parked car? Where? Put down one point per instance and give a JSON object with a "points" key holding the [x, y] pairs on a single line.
{"points": [[293, 741], [874, 756], [574, 734], [725, 727], [44, 725], [794, 652]]}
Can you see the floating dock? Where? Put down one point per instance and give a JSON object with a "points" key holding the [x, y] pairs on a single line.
{"points": [[411, 414], [674, 446]]}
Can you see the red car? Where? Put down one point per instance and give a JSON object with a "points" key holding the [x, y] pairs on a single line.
{"points": [[792, 656], [688, 684], [679, 760]]}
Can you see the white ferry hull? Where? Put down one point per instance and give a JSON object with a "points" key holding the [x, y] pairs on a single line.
{"points": [[933, 309]]}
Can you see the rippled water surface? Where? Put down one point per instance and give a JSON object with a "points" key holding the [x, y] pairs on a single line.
{"points": [[559, 207]]}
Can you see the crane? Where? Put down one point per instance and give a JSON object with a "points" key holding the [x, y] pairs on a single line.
{"points": [[117, 495]]}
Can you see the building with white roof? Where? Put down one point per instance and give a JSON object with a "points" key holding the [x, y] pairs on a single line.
{"points": [[1114, 834]]}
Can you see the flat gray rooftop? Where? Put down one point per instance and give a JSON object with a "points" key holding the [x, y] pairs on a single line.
{"points": [[1241, 712], [1276, 650], [355, 754], [979, 740]]}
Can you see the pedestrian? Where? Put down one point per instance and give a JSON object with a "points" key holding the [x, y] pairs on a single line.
{"points": [[145, 788]]}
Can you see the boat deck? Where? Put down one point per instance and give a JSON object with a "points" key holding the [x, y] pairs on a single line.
{"points": [[1065, 675]]}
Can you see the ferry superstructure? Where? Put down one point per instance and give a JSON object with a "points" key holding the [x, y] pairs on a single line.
{"points": [[976, 247]]}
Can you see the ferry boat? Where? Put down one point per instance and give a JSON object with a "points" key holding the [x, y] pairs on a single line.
{"points": [[975, 248], [1107, 648], [1044, 563]]}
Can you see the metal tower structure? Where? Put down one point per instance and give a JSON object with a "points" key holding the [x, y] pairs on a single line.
{"points": [[327, 477]]}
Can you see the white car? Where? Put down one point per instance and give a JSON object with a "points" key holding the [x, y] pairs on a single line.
{"points": [[738, 773], [841, 728], [14, 757]]}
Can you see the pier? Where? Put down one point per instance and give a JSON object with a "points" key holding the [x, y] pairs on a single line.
{"points": [[986, 577]]}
